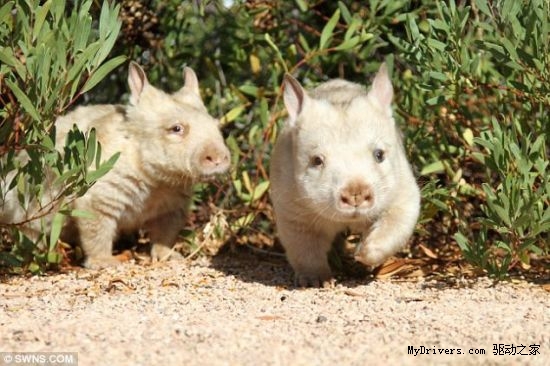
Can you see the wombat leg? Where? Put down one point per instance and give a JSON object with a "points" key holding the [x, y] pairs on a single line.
{"points": [[96, 239], [307, 253], [163, 232], [389, 236]]}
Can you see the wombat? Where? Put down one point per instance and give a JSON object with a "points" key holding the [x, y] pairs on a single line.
{"points": [[167, 142], [339, 165]]}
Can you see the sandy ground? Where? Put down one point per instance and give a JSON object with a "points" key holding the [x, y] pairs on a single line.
{"points": [[240, 309]]}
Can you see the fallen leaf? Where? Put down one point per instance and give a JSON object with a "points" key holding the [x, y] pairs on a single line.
{"points": [[117, 284], [391, 267], [125, 256], [428, 252]]}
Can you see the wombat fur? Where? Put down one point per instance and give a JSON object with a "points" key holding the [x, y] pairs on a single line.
{"points": [[338, 165], [167, 142]]}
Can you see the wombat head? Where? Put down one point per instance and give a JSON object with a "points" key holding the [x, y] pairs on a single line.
{"points": [[348, 155], [178, 139]]}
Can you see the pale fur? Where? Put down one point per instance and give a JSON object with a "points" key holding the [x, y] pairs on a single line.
{"points": [[150, 186], [343, 124]]}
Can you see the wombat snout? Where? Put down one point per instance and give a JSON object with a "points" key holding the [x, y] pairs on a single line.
{"points": [[213, 159], [356, 194]]}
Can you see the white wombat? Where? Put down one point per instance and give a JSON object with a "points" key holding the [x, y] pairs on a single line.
{"points": [[338, 165], [166, 142]]}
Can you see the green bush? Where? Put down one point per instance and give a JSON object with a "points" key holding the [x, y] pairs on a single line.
{"points": [[478, 65], [472, 95], [51, 54]]}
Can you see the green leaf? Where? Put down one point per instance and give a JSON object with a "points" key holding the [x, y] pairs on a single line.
{"points": [[352, 28], [242, 222], [104, 20], [413, 28], [437, 75], [232, 114], [326, 34], [81, 213], [7, 57], [468, 136], [440, 25], [40, 17], [81, 59], [259, 191], [107, 44], [5, 12], [350, 43], [345, 12], [438, 45], [94, 175], [91, 147], [34, 268], [55, 232], [24, 100], [435, 167], [238, 186], [302, 4], [484, 7], [82, 34], [103, 70], [251, 90], [58, 10], [462, 241], [303, 42], [510, 48], [501, 212], [272, 44], [53, 257]]}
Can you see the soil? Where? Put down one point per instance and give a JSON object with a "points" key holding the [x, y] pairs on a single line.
{"points": [[240, 308]]}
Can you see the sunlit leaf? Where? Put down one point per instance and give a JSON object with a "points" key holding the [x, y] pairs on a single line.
{"points": [[55, 232], [326, 34], [102, 71]]}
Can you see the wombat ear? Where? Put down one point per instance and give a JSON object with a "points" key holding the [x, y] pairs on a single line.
{"points": [[293, 96], [190, 80], [137, 80], [382, 90]]}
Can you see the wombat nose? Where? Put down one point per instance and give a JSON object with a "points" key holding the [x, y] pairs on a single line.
{"points": [[214, 159], [356, 194]]}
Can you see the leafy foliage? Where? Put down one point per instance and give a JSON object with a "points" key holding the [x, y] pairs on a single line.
{"points": [[50, 56], [481, 64]]}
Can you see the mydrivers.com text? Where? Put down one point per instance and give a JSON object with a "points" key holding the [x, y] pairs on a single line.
{"points": [[497, 350]]}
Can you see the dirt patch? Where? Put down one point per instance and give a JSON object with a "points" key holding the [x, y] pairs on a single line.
{"points": [[240, 309]]}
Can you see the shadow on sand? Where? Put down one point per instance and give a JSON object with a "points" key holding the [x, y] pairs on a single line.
{"points": [[270, 268]]}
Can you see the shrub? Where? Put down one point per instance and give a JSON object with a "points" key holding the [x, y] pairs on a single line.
{"points": [[485, 69], [51, 54]]}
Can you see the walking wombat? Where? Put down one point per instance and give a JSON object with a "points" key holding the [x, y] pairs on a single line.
{"points": [[338, 165], [166, 143]]}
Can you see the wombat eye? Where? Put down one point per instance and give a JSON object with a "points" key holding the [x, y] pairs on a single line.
{"points": [[378, 155], [177, 129], [317, 161]]}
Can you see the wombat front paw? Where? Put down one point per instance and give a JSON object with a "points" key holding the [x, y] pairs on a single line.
{"points": [[162, 253], [323, 279], [371, 255]]}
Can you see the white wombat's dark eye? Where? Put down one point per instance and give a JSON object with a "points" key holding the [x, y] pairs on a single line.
{"points": [[177, 129], [378, 155], [317, 161]]}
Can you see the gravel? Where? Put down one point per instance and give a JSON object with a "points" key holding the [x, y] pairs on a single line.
{"points": [[240, 309]]}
